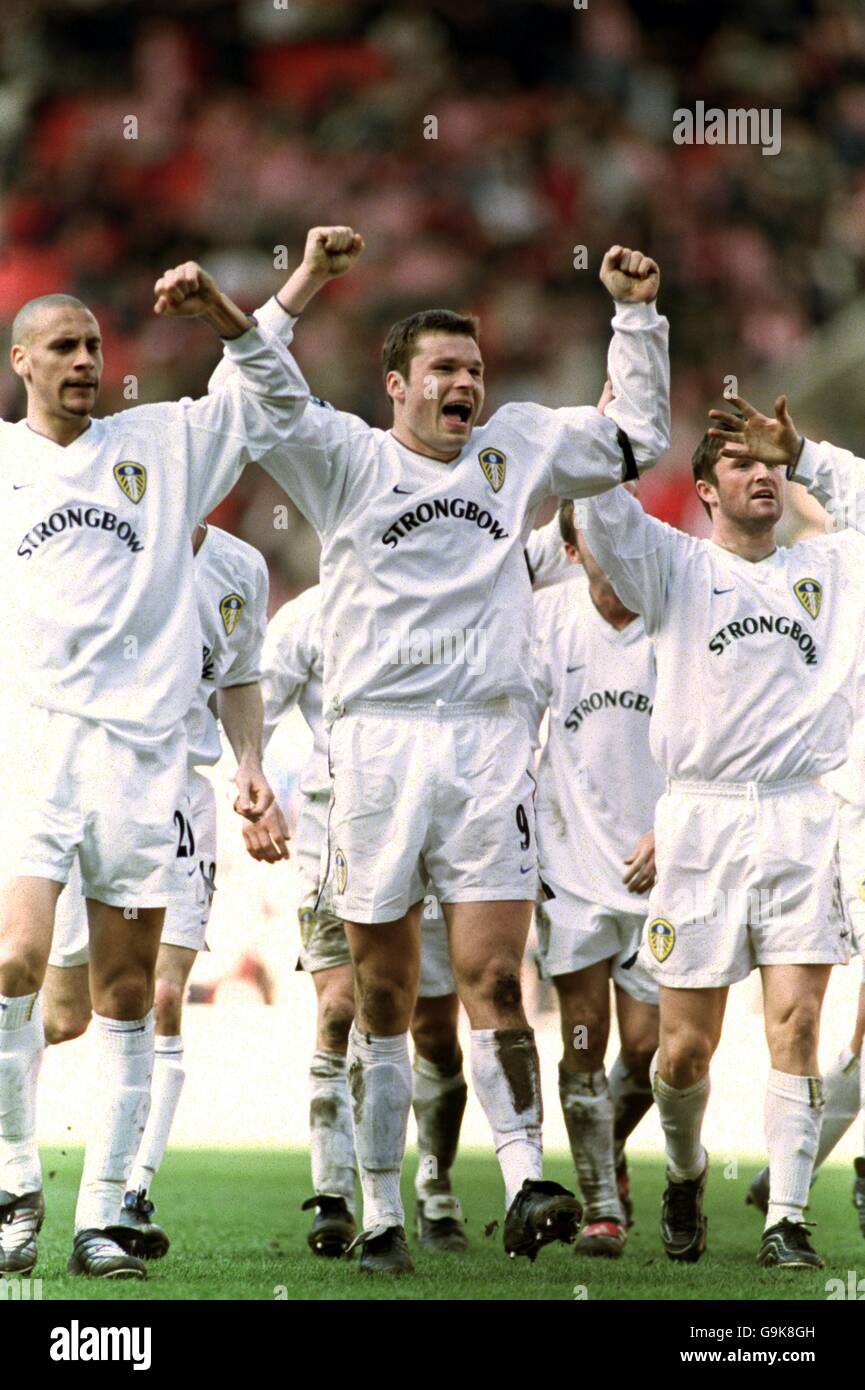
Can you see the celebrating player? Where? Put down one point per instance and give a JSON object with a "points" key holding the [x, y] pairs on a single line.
{"points": [[293, 661], [836, 478], [597, 788], [426, 636], [756, 652], [231, 590], [96, 565]]}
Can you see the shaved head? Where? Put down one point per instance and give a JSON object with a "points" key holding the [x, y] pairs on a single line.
{"points": [[29, 317]]}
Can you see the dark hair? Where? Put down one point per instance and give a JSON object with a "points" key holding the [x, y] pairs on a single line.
{"points": [[400, 345], [566, 523], [704, 459]]}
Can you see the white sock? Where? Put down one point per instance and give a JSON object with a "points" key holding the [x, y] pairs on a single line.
{"points": [[793, 1107], [630, 1100], [168, 1078], [379, 1083], [439, 1101], [22, 1043], [331, 1145], [681, 1114], [842, 1100], [122, 1064], [588, 1112], [507, 1082]]}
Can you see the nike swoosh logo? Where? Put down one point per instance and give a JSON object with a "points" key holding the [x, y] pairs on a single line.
{"points": [[16, 487], [528, 870], [581, 667], [722, 591], [404, 491]]}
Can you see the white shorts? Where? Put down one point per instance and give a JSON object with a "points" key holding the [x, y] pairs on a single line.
{"points": [[323, 942], [195, 867], [748, 875], [436, 798], [72, 788], [574, 934], [851, 853]]}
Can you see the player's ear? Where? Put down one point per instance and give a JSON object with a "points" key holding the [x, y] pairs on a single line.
{"points": [[18, 359], [394, 384], [706, 492]]}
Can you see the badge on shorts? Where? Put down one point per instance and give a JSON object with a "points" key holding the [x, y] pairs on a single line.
{"points": [[809, 592], [494, 463], [230, 609], [340, 871], [131, 478], [662, 938], [860, 888]]}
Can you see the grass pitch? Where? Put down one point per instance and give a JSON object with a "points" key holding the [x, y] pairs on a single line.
{"points": [[237, 1233]]}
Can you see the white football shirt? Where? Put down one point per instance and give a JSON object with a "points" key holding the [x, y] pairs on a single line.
{"points": [[231, 592], [95, 556], [757, 663], [428, 592], [292, 664], [597, 780], [546, 556]]}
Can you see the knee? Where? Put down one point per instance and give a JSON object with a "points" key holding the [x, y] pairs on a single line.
{"points": [[685, 1057], [436, 1042], [638, 1060], [335, 1017], [63, 1025], [495, 982], [384, 1005], [21, 971], [794, 1033], [127, 995], [168, 1006]]}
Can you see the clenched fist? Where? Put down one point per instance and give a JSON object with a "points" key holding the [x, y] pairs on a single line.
{"points": [[185, 291], [331, 251], [630, 277]]}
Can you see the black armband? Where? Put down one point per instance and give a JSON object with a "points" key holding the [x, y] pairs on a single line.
{"points": [[631, 472]]}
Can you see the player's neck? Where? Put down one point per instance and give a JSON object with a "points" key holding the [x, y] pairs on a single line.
{"points": [[610, 607], [59, 429], [404, 436], [749, 545]]}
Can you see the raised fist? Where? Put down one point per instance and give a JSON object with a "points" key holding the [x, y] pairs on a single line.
{"points": [[630, 277], [331, 251], [185, 291]]}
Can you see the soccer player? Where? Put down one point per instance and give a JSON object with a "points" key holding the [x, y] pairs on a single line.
{"points": [[231, 590], [836, 478], [597, 788], [292, 675], [756, 652], [427, 635], [96, 575]]}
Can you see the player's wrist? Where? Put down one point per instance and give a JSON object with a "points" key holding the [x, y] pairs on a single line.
{"points": [[226, 319]]}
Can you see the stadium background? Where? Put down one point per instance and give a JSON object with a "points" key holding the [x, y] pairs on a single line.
{"points": [[256, 121]]}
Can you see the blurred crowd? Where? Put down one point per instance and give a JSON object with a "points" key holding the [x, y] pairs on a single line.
{"points": [[134, 135]]}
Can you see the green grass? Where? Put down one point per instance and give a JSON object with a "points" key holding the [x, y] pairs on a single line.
{"points": [[237, 1233]]}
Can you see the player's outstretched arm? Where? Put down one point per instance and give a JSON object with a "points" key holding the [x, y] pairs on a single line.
{"points": [[834, 476], [312, 462], [638, 365], [587, 450], [214, 437], [637, 552], [329, 252], [188, 291]]}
